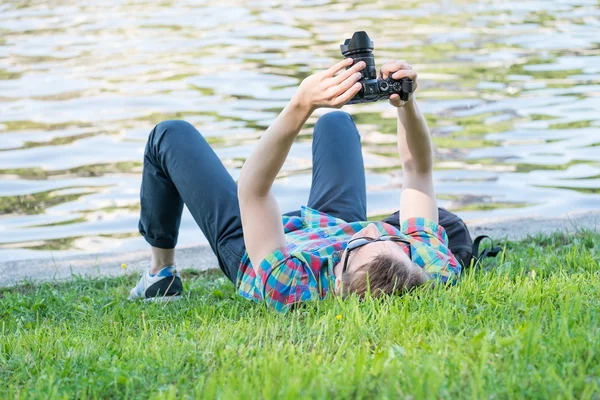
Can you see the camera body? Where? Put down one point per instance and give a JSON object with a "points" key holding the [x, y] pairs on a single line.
{"points": [[360, 48]]}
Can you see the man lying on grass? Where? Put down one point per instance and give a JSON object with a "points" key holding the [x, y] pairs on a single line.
{"points": [[327, 246]]}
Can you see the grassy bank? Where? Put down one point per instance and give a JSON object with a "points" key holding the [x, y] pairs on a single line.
{"points": [[529, 328]]}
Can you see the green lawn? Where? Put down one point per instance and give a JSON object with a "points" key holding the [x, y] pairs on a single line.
{"points": [[527, 328]]}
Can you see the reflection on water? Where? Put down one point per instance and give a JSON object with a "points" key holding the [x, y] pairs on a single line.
{"points": [[510, 89]]}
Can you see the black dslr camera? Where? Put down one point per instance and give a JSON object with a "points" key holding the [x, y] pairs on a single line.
{"points": [[360, 47]]}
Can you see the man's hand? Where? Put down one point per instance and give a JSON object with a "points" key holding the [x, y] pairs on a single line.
{"points": [[326, 89], [398, 70]]}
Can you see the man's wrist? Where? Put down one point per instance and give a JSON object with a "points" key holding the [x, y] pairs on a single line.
{"points": [[409, 106], [299, 104]]}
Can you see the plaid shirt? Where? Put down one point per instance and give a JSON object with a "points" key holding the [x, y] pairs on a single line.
{"points": [[303, 270]]}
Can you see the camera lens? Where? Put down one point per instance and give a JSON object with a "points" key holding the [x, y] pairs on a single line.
{"points": [[360, 48]]}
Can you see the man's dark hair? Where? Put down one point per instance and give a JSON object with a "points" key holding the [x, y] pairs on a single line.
{"points": [[384, 275]]}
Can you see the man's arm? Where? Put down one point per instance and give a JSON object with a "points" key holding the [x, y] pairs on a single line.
{"points": [[417, 198], [261, 217]]}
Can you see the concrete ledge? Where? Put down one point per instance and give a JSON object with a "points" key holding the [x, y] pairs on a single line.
{"points": [[97, 265], [202, 257]]}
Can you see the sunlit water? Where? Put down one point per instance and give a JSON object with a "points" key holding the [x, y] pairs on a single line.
{"points": [[511, 91]]}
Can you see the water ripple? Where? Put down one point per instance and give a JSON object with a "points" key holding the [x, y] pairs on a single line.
{"points": [[510, 89]]}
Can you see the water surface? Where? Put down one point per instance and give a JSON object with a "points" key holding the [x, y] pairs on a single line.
{"points": [[511, 91]]}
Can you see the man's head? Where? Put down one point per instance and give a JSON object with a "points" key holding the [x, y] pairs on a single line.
{"points": [[379, 267]]}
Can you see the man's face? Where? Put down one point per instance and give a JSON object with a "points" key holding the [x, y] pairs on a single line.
{"points": [[365, 254]]}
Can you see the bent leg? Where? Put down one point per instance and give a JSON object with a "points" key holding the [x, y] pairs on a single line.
{"points": [[180, 167], [338, 181]]}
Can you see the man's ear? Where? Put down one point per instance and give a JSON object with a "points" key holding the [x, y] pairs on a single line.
{"points": [[338, 285]]}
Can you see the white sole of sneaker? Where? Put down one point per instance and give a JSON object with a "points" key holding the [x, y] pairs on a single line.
{"points": [[162, 299]]}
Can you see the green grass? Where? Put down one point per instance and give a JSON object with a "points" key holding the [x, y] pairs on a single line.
{"points": [[528, 328]]}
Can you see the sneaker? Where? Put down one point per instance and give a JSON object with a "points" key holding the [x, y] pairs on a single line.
{"points": [[163, 286]]}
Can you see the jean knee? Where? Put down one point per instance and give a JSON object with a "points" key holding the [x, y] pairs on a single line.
{"points": [[335, 123], [334, 117], [174, 125], [171, 128]]}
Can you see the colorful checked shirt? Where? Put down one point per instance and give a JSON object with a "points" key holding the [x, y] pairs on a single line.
{"points": [[303, 269]]}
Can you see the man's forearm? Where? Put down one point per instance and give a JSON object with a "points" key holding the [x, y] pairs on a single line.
{"points": [[265, 162], [414, 139]]}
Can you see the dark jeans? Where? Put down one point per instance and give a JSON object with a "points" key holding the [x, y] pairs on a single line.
{"points": [[180, 167]]}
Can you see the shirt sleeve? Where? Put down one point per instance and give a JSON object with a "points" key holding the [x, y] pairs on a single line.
{"points": [[424, 229], [284, 280], [438, 260]]}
